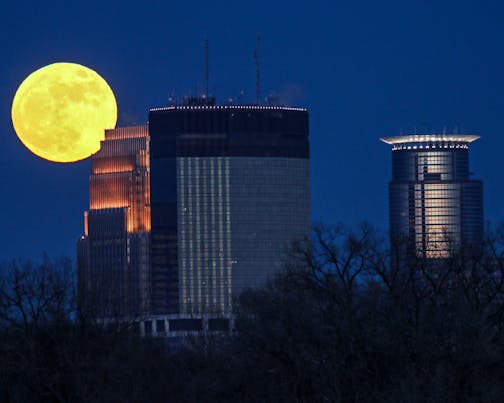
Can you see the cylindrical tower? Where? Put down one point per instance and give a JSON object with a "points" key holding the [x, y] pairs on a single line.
{"points": [[434, 205]]}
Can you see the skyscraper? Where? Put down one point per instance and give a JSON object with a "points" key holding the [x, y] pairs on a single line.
{"points": [[230, 189], [113, 253], [189, 212], [434, 204]]}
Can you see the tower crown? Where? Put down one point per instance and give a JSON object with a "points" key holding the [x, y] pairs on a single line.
{"points": [[429, 141]]}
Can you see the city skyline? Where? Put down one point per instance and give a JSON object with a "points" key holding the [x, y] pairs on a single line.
{"points": [[189, 211], [231, 129], [349, 65]]}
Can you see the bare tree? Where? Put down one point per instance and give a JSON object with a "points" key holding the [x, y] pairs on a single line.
{"points": [[37, 294], [347, 322]]}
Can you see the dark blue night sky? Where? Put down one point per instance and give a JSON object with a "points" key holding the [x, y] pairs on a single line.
{"points": [[365, 69]]}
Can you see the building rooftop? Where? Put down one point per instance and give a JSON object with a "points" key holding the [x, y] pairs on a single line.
{"points": [[430, 138], [223, 107]]}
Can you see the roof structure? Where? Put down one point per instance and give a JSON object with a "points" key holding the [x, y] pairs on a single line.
{"points": [[430, 138], [217, 107]]}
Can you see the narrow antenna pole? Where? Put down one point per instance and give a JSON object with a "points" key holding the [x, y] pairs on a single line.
{"points": [[258, 77], [206, 67]]}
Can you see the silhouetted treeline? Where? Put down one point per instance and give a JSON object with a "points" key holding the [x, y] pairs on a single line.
{"points": [[344, 323]]}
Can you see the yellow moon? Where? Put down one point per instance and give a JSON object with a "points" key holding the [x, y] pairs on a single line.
{"points": [[60, 112]]}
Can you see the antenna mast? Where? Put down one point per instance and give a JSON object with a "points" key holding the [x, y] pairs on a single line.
{"points": [[258, 77], [206, 66]]}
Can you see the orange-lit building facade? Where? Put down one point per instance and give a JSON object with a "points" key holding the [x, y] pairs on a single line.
{"points": [[113, 253]]}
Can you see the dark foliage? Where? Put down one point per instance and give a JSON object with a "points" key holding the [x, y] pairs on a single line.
{"points": [[343, 323]]}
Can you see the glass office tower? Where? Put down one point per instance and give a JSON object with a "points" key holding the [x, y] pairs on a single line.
{"points": [[113, 254], [230, 191], [434, 204]]}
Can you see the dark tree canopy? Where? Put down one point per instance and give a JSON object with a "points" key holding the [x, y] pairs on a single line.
{"points": [[347, 321]]}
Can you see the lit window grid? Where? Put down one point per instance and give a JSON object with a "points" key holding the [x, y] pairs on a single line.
{"points": [[443, 210], [435, 230], [120, 220], [410, 165], [270, 207], [203, 198], [254, 208]]}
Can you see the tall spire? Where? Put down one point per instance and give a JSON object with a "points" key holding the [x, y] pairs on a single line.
{"points": [[206, 66], [258, 77]]}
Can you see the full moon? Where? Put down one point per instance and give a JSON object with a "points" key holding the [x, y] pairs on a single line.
{"points": [[60, 112]]}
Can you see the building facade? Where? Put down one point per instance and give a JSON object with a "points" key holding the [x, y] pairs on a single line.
{"points": [[189, 211], [435, 207], [230, 191], [113, 254]]}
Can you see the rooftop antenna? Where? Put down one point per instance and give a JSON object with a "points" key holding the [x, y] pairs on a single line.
{"points": [[206, 66], [258, 77]]}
